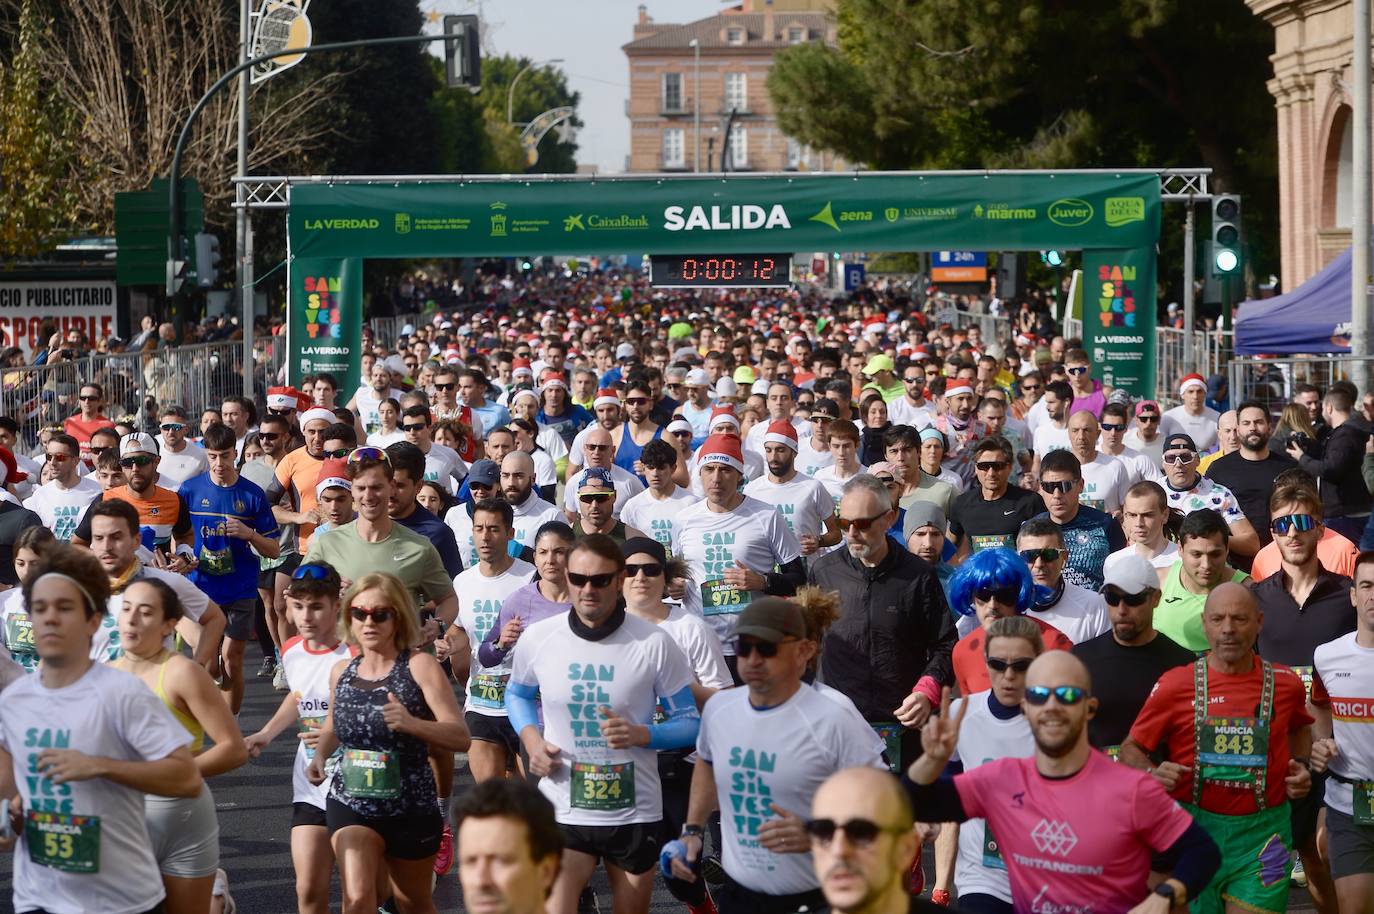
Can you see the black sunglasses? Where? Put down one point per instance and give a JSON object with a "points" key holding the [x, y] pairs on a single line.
{"points": [[337, 453], [414, 428], [649, 571], [363, 613], [1004, 595], [1116, 597], [445, 386], [766, 649], [987, 465], [1058, 485], [859, 832], [1048, 554], [141, 460], [598, 581], [998, 665]]}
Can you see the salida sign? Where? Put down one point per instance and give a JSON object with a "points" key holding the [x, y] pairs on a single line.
{"points": [[87, 306]]}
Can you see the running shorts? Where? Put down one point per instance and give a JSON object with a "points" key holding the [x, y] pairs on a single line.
{"points": [[307, 814], [184, 833], [240, 615], [1255, 852], [490, 728], [1351, 846], [632, 848], [409, 837]]}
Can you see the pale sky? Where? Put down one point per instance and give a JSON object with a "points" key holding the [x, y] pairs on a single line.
{"points": [[587, 34]]}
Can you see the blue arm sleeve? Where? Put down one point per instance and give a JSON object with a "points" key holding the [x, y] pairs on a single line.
{"points": [[520, 706], [680, 729]]}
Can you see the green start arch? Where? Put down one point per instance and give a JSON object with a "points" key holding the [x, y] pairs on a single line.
{"points": [[333, 224]]}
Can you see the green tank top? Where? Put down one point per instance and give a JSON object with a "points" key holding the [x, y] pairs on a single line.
{"points": [[1179, 614]]}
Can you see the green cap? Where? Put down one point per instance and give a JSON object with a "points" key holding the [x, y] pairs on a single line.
{"points": [[772, 619]]}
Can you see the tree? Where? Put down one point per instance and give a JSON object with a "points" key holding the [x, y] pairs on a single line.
{"points": [[36, 154], [540, 89], [1044, 83]]}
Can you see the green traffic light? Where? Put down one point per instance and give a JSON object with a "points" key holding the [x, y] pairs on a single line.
{"points": [[1053, 258], [1226, 260]]}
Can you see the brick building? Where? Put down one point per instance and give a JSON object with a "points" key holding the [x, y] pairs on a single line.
{"points": [[736, 50], [1313, 58]]}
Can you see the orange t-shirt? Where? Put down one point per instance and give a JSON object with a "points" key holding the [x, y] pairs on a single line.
{"points": [[971, 669], [297, 473], [1335, 552]]}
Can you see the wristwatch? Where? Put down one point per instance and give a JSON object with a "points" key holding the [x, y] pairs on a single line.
{"points": [[693, 831], [1167, 891]]}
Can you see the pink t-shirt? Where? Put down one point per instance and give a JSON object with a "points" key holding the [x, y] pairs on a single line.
{"points": [[1080, 844]]}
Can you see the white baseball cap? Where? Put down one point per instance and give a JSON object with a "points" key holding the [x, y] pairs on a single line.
{"points": [[1130, 572]]}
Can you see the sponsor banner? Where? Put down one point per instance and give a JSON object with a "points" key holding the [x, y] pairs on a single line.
{"points": [[1119, 318], [85, 305], [325, 320], [883, 212]]}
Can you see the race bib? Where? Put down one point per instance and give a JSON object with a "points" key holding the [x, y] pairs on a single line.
{"points": [[1305, 674], [216, 561], [1113, 753], [719, 598], [891, 735], [371, 775], [1362, 802], [64, 842], [980, 542], [603, 787], [488, 690], [992, 851], [19, 633], [1234, 742]]}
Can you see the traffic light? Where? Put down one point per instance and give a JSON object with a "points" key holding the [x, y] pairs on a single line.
{"points": [[463, 54], [1011, 275], [1225, 259], [207, 259], [1052, 258]]}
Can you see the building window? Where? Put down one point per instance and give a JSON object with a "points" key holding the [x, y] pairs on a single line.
{"points": [[736, 91], [672, 148], [798, 156], [672, 91], [739, 148], [734, 36], [796, 35]]}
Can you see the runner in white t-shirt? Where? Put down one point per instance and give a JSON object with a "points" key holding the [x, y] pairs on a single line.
{"points": [[482, 589], [732, 542], [61, 502], [658, 509], [312, 599], [1343, 696], [1076, 611], [1144, 514], [84, 836], [1105, 479], [806, 506], [762, 753], [369, 397], [994, 728], [600, 674], [179, 459], [843, 438]]}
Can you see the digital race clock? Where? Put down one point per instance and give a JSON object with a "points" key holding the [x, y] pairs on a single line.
{"points": [[721, 271]]}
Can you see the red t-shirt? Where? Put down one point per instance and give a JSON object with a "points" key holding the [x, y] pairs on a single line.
{"points": [[971, 670], [1167, 719], [82, 430]]}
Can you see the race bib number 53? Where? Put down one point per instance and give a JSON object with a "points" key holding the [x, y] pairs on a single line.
{"points": [[63, 842]]}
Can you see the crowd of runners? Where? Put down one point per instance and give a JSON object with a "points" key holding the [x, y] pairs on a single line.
{"points": [[745, 597]]}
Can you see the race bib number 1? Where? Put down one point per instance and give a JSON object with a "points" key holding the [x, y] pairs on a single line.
{"points": [[603, 787], [64, 842], [719, 598], [371, 775]]}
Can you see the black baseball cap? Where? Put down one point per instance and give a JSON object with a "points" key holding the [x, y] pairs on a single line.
{"points": [[1179, 440], [824, 406]]}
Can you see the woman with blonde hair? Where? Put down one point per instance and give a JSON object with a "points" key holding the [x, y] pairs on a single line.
{"points": [[391, 706]]}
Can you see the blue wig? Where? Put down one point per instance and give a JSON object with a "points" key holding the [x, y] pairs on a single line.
{"points": [[993, 569]]}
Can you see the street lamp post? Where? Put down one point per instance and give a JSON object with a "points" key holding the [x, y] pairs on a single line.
{"points": [[510, 92], [696, 104], [243, 228]]}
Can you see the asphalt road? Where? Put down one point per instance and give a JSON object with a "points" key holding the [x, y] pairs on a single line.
{"points": [[254, 805]]}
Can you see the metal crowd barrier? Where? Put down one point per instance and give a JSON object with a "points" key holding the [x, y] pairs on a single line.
{"points": [[1210, 355], [994, 326], [1273, 380], [137, 383]]}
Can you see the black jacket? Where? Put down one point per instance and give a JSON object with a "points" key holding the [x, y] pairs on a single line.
{"points": [[1338, 469], [894, 627]]}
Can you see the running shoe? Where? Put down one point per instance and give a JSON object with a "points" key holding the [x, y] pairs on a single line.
{"points": [[712, 870], [221, 888], [1299, 877], [443, 861], [587, 903], [279, 678], [269, 664], [940, 897]]}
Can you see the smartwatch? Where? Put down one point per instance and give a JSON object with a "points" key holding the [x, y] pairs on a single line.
{"points": [[1167, 891], [693, 831]]}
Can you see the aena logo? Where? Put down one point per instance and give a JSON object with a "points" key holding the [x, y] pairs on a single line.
{"points": [[1070, 212], [722, 218]]}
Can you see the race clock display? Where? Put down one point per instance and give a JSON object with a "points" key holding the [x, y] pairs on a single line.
{"points": [[721, 271]]}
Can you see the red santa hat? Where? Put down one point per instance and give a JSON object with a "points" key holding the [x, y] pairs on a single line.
{"points": [[282, 398], [1191, 380], [606, 397], [781, 432], [723, 414], [724, 449]]}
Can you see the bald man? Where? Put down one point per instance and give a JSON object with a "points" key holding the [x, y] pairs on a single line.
{"points": [[600, 452], [1105, 478], [863, 843], [531, 511], [1075, 830], [1236, 768]]}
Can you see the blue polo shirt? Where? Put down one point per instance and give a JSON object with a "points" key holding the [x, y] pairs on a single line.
{"points": [[228, 569]]}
